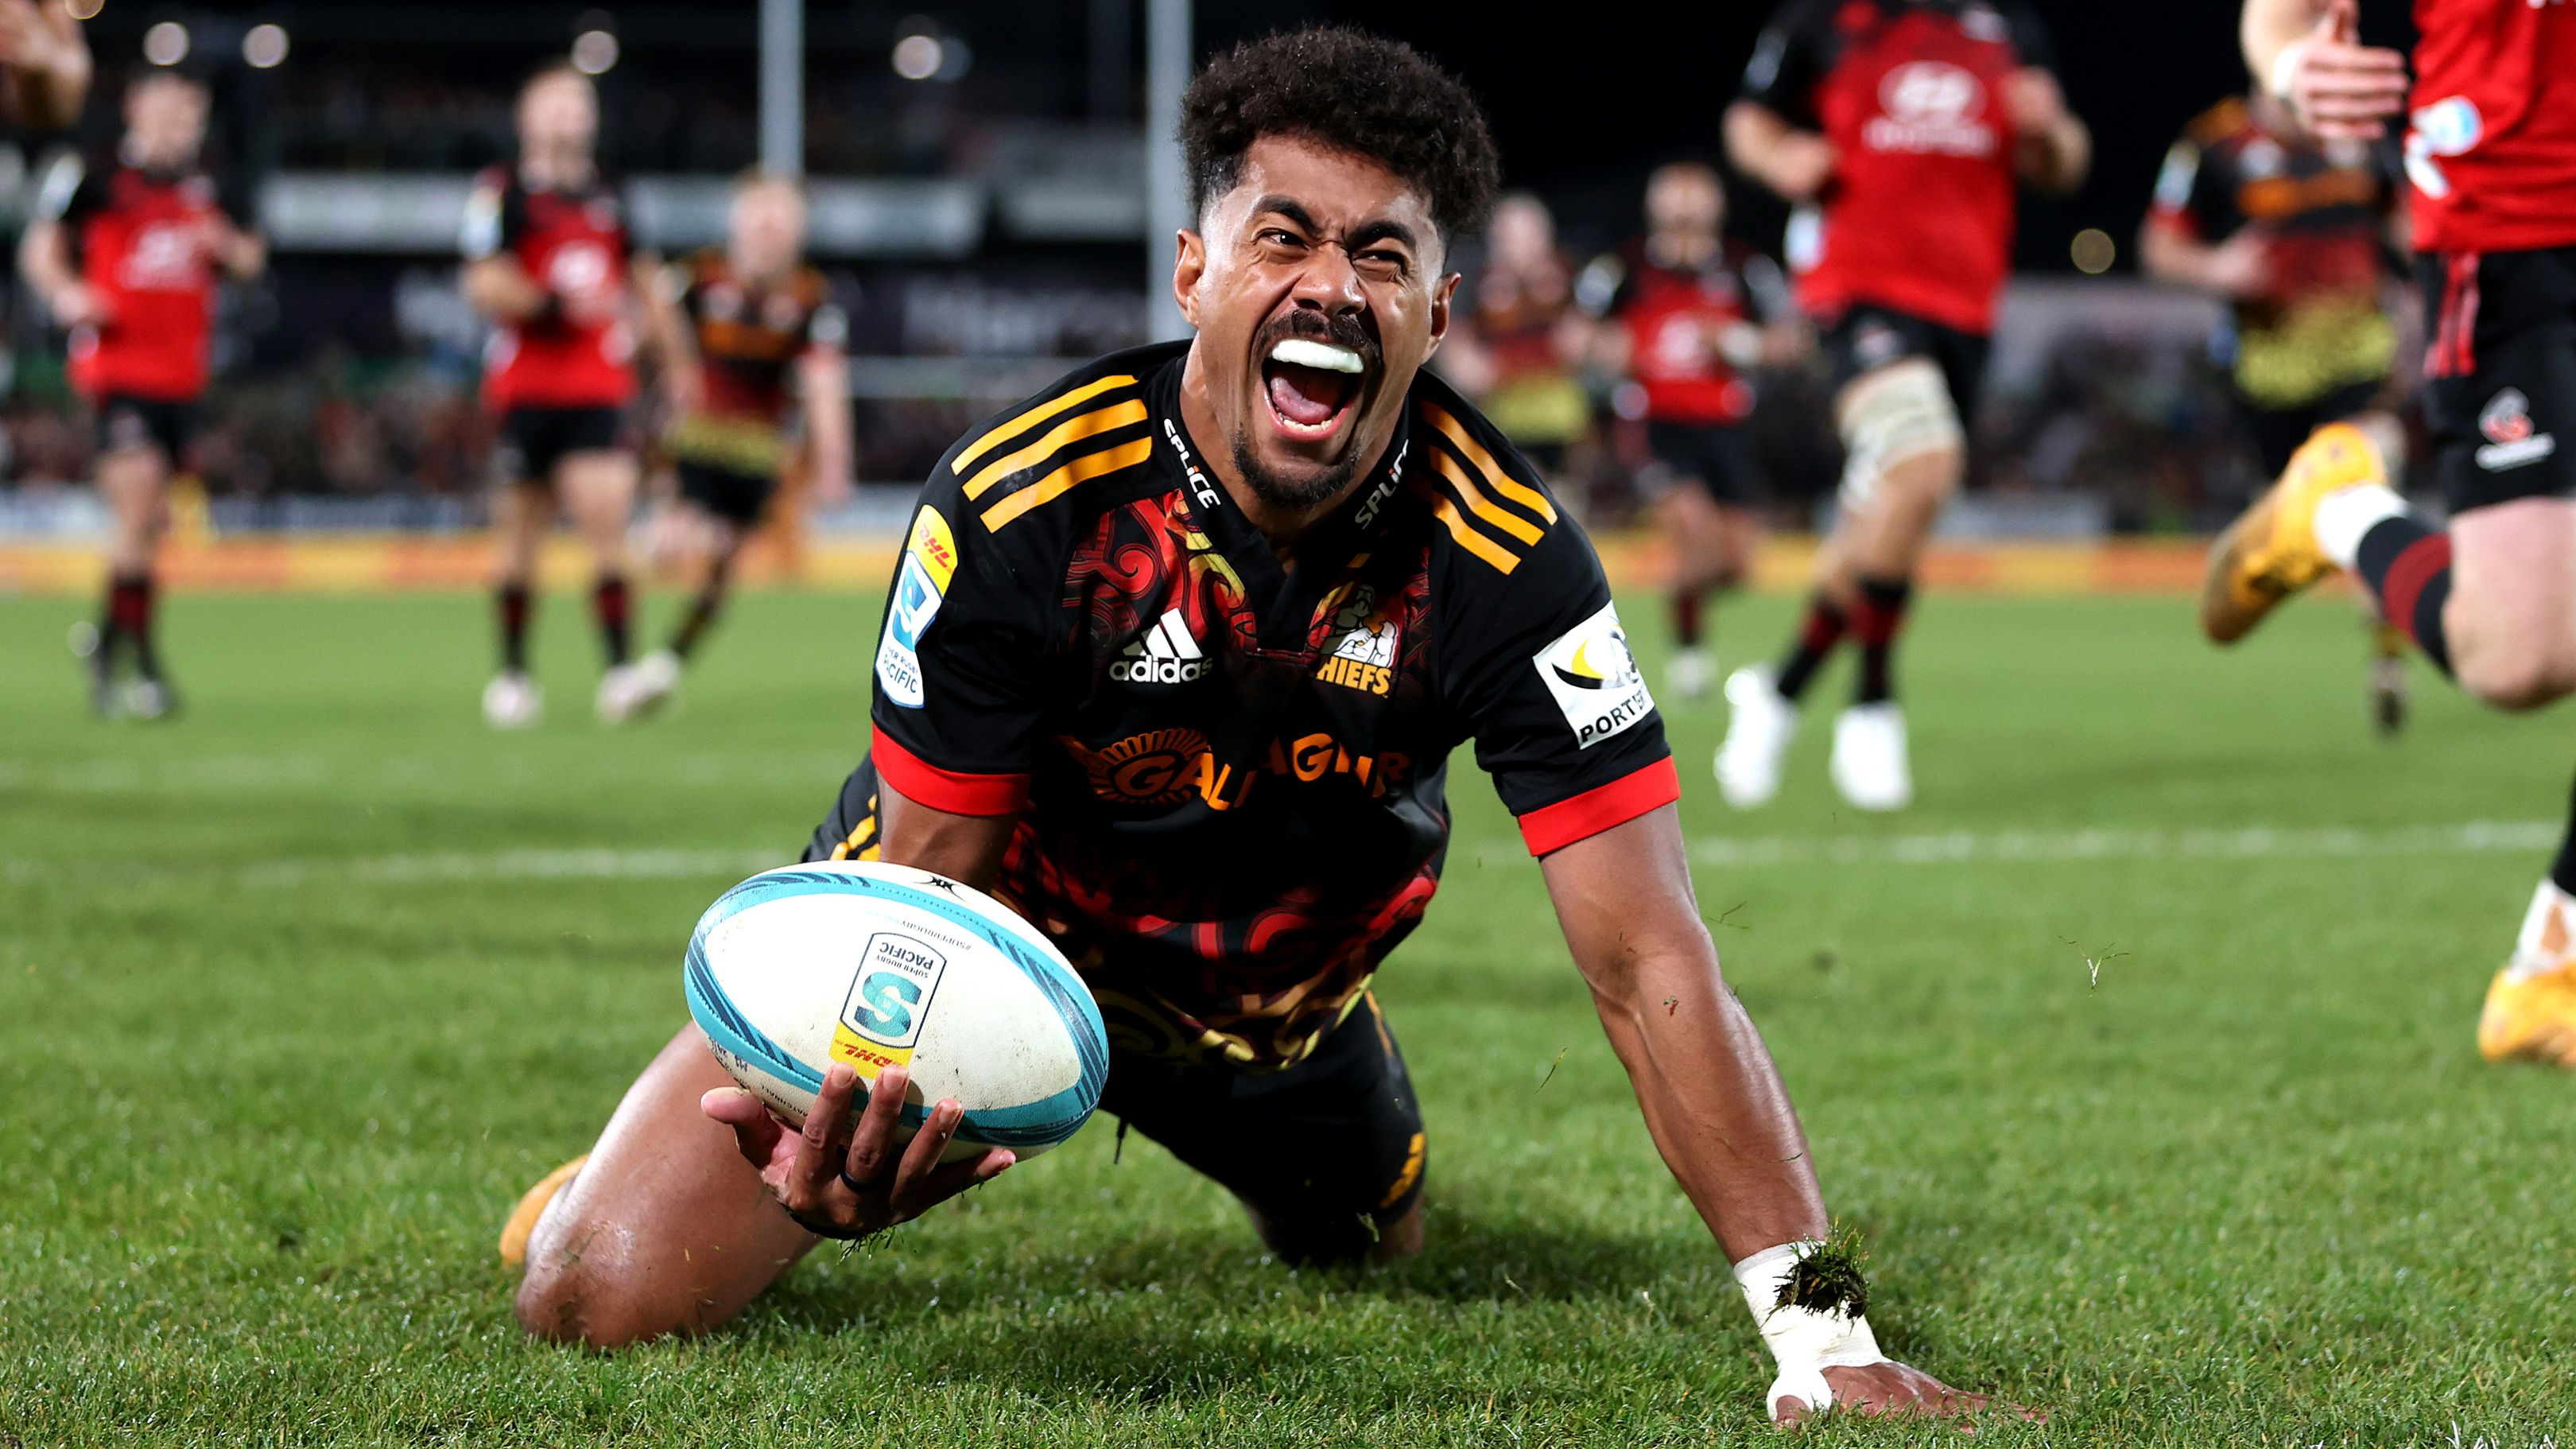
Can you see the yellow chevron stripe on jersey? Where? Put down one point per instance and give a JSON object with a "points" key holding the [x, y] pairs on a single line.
{"points": [[1058, 438], [1484, 508], [1469, 537], [1474, 452], [1071, 398], [1055, 484]]}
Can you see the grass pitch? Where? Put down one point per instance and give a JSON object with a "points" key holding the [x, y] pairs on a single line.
{"points": [[2140, 1049]]}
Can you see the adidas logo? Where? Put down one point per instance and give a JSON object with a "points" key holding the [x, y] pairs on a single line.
{"points": [[1166, 654]]}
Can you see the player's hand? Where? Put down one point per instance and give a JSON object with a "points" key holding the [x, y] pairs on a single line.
{"points": [[2241, 266], [871, 1184], [2034, 100], [77, 304], [2340, 88], [1800, 165], [1888, 1388], [25, 39]]}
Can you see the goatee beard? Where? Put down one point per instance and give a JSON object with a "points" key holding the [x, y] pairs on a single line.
{"points": [[1296, 497]]}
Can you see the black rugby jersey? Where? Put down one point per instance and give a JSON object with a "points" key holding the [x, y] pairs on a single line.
{"points": [[1229, 773]]}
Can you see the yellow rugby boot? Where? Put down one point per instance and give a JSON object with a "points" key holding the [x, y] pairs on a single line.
{"points": [[532, 1205], [2270, 552], [2531, 1020]]}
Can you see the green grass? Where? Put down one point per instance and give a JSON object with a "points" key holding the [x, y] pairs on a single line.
{"points": [[284, 1030]]}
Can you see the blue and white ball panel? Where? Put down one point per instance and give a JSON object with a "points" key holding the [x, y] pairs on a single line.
{"points": [[880, 965]]}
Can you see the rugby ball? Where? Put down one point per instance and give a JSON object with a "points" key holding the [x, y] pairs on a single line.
{"points": [[882, 965]]}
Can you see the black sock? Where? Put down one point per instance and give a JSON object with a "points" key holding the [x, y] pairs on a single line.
{"points": [[1686, 619], [609, 604], [1875, 622], [2562, 871], [129, 610], [2407, 565], [1817, 635], [512, 603], [702, 609]]}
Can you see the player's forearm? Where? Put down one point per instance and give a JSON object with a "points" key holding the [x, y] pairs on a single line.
{"points": [[961, 847], [244, 255], [1755, 136], [2056, 159], [2270, 27], [501, 289], [1713, 1101], [827, 417], [42, 260], [2176, 260]]}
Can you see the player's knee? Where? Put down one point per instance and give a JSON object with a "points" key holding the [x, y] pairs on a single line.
{"points": [[563, 1300]]}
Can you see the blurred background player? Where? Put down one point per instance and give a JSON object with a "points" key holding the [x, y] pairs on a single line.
{"points": [[1519, 346], [127, 251], [547, 261], [1900, 128], [1686, 309], [2491, 599], [2298, 236], [733, 327]]}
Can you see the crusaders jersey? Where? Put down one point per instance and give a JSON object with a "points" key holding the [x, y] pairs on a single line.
{"points": [[748, 341], [2324, 209], [142, 240], [1679, 320], [1229, 774], [1918, 216], [573, 242], [2491, 141]]}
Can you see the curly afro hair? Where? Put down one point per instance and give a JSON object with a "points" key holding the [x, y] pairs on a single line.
{"points": [[1351, 91]]}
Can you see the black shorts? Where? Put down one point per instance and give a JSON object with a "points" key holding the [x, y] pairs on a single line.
{"points": [[727, 493], [1329, 1151], [126, 421], [533, 440], [1867, 337], [2500, 373], [1714, 456], [2276, 433]]}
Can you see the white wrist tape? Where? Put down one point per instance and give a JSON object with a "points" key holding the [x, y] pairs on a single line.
{"points": [[1803, 1341]]}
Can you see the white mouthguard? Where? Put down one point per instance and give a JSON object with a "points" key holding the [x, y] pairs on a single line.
{"points": [[1303, 352]]}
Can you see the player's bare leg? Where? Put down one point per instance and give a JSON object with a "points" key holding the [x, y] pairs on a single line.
{"points": [[1713, 545], [693, 544], [521, 515], [134, 483], [666, 1228], [598, 489]]}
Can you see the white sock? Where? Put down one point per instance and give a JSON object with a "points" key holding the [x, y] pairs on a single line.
{"points": [[2543, 944], [2344, 515]]}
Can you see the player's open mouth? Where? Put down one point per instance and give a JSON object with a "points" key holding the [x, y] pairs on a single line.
{"points": [[1311, 385]]}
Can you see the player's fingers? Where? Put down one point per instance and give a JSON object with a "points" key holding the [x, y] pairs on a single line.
{"points": [[1791, 1411], [872, 1149], [921, 1157], [755, 1132], [817, 1165]]}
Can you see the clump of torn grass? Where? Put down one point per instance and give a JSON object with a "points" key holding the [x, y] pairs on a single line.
{"points": [[1830, 1280]]}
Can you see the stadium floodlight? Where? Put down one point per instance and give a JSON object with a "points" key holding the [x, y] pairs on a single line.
{"points": [[166, 43], [593, 52], [264, 46], [918, 57], [2093, 251]]}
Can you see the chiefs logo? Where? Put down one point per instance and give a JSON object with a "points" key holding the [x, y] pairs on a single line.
{"points": [[1158, 767]]}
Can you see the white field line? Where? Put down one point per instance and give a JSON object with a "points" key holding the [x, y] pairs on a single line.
{"points": [[2251, 843], [395, 772]]}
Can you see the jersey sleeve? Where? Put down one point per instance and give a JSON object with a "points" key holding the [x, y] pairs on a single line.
{"points": [[961, 662], [71, 192], [2181, 198], [1603, 287], [827, 329], [1789, 59], [493, 218], [1561, 715], [2030, 37]]}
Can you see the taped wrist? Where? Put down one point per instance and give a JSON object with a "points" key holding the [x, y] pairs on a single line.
{"points": [[1804, 1342]]}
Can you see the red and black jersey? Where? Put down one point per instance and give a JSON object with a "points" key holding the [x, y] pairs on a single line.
{"points": [[144, 241], [1683, 322], [2491, 142], [573, 242], [1918, 216], [749, 339], [2322, 209], [1229, 773]]}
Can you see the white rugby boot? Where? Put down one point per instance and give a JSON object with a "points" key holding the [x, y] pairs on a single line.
{"points": [[511, 701], [1760, 724], [632, 691], [1869, 766], [1689, 674]]}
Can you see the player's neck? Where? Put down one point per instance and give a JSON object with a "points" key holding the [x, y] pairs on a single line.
{"points": [[1680, 248], [551, 170]]}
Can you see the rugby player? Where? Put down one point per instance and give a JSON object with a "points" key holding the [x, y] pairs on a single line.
{"points": [[741, 334], [127, 251], [2490, 599], [1687, 310], [1518, 345], [2297, 235], [548, 263], [1177, 654], [1899, 128]]}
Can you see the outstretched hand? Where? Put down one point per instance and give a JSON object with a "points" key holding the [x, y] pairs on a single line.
{"points": [[1891, 1389], [871, 1183], [2340, 88]]}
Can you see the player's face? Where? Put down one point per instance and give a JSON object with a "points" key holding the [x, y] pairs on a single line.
{"points": [[165, 122], [1318, 288], [559, 113], [1685, 201], [1522, 234], [768, 230]]}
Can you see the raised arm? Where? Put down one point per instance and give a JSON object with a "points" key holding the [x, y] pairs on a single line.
{"points": [[1763, 144], [823, 380], [1717, 1111], [47, 62], [2309, 53]]}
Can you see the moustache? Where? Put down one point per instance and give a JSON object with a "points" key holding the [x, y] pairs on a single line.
{"points": [[1342, 329]]}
